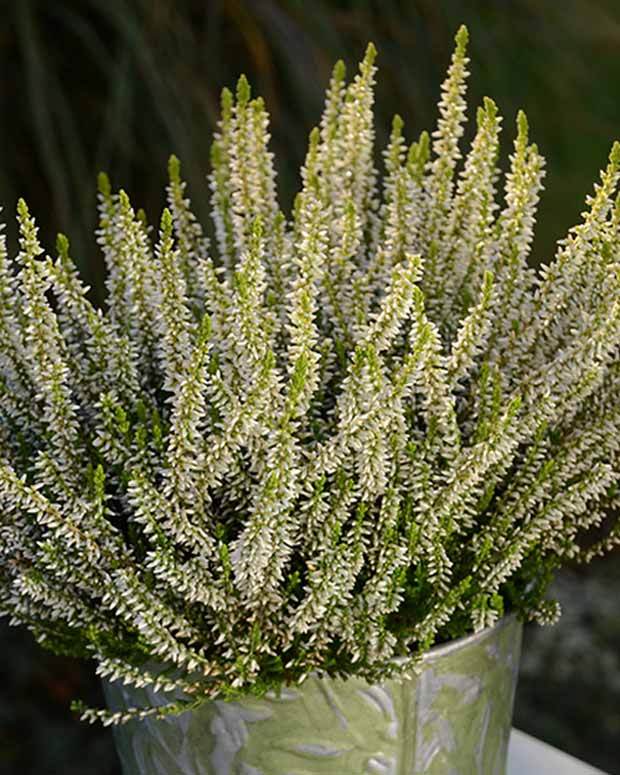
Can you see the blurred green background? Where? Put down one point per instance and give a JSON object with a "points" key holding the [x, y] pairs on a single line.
{"points": [[119, 85]]}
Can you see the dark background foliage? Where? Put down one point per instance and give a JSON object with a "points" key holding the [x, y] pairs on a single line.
{"points": [[120, 84]]}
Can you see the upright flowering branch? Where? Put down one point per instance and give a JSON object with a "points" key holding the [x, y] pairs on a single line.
{"points": [[439, 183]]}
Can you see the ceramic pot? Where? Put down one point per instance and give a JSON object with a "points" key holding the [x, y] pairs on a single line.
{"points": [[454, 718]]}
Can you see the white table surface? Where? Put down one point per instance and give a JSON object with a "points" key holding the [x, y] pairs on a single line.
{"points": [[529, 756]]}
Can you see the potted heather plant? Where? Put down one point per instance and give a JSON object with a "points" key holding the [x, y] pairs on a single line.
{"points": [[294, 491]]}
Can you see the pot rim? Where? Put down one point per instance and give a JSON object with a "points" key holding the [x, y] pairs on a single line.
{"points": [[441, 649]]}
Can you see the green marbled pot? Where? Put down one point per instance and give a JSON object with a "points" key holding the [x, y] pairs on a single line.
{"points": [[453, 718]]}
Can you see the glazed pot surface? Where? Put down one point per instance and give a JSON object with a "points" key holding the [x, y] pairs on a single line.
{"points": [[454, 718]]}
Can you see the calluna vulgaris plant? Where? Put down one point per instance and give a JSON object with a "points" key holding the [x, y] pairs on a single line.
{"points": [[328, 442]]}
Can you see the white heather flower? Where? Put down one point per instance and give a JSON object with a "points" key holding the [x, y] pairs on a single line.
{"points": [[341, 435]]}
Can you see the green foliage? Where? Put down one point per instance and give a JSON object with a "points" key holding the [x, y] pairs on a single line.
{"points": [[339, 437]]}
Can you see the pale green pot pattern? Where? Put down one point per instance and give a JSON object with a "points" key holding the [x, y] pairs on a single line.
{"points": [[453, 718]]}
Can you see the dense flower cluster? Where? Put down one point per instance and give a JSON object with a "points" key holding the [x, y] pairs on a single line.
{"points": [[327, 440]]}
